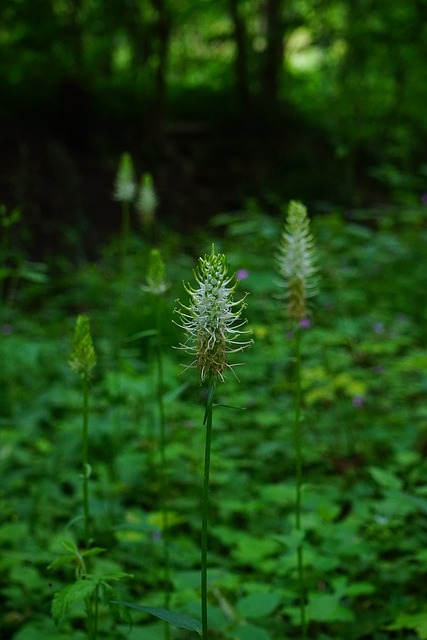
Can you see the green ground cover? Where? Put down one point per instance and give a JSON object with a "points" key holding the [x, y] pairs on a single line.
{"points": [[364, 498]]}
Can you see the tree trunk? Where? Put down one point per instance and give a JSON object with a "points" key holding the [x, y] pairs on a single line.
{"points": [[271, 68], [241, 58], [162, 31]]}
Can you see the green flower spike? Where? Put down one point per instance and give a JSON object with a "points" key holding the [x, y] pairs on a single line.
{"points": [[82, 357], [297, 261], [212, 318], [124, 186], [147, 200], [156, 274]]}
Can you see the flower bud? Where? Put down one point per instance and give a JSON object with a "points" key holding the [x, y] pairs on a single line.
{"points": [[82, 357], [156, 274]]}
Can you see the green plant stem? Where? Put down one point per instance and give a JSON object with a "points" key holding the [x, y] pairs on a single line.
{"points": [[85, 456], [298, 473], [125, 229], [95, 616], [163, 462], [91, 603], [207, 422]]}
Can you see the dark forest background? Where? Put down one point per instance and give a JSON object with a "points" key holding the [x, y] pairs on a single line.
{"points": [[221, 100]]}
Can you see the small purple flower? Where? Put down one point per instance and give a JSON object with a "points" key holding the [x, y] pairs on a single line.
{"points": [[358, 401], [6, 329], [305, 323], [424, 198], [156, 535], [242, 274], [378, 328]]}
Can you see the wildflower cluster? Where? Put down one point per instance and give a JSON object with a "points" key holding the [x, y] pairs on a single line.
{"points": [[212, 318], [296, 261]]}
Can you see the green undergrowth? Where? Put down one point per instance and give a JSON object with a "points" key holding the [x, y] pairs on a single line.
{"points": [[364, 499]]}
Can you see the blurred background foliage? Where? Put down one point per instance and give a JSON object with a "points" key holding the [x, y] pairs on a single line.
{"points": [[221, 100]]}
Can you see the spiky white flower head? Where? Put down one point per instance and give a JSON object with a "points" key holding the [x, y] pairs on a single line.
{"points": [[147, 200], [124, 186], [297, 261], [156, 274], [212, 319]]}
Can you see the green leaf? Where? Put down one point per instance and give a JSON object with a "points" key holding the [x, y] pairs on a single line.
{"points": [[94, 551], [326, 607], [385, 479], [115, 576], [360, 589], [76, 592], [251, 632], [174, 618], [258, 605], [416, 622], [251, 550]]}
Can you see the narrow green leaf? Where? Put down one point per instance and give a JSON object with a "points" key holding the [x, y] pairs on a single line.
{"points": [[115, 576], [180, 620], [94, 551]]}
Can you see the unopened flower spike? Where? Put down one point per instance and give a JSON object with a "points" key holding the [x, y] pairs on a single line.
{"points": [[297, 261], [147, 200], [212, 319], [124, 186], [156, 282], [82, 357]]}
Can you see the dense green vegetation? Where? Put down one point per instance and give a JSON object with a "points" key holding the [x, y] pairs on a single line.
{"points": [[364, 439]]}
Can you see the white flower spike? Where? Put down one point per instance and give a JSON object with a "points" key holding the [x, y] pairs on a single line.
{"points": [[297, 261], [212, 319], [124, 186]]}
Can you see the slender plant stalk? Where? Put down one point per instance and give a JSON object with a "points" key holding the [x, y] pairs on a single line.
{"points": [[125, 229], [92, 602], [207, 422], [213, 325], [298, 479], [82, 360], [297, 266], [163, 462], [85, 459]]}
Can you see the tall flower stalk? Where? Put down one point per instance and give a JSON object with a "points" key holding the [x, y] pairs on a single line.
{"points": [[82, 360], [156, 284], [297, 267], [213, 324]]}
